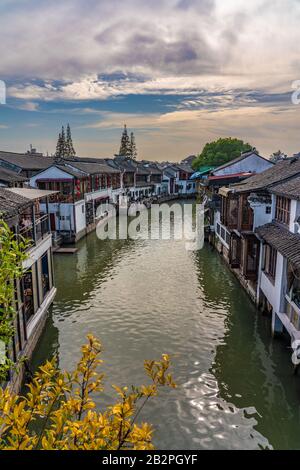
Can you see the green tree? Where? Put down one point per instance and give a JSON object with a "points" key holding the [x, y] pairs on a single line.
{"points": [[125, 148], [220, 151], [12, 253], [60, 152], [133, 149], [69, 148]]}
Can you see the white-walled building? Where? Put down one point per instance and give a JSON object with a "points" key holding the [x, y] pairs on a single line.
{"points": [[279, 276], [246, 164], [85, 190], [258, 229]]}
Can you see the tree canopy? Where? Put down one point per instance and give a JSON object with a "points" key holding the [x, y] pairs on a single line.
{"points": [[64, 146], [125, 147], [128, 145], [220, 151]]}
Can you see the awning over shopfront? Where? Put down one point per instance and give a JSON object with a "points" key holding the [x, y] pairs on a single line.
{"points": [[31, 193]]}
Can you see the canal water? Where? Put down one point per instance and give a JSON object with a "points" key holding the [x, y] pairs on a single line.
{"points": [[143, 298]]}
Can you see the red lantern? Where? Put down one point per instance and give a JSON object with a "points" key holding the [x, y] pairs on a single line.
{"points": [[78, 189]]}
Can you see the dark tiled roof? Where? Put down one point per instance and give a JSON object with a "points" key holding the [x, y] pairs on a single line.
{"points": [[281, 171], [86, 159], [189, 160], [26, 161], [125, 164], [153, 168], [9, 176], [93, 168], [71, 171], [111, 162], [289, 188], [141, 170], [12, 204], [168, 173], [173, 168], [287, 243], [185, 167]]}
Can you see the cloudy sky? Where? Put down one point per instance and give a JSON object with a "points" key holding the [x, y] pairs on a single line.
{"points": [[177, 72]]}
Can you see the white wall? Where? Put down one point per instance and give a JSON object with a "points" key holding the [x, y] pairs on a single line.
{"points": [[99, 193], [64, 215], [253, 163], [275, 292], [184, 184], [80, 216], [260, 215], [50, 173], [37, 251], [295, 214]]}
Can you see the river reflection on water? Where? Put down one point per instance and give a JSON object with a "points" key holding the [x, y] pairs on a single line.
{"points": [[146, 297]]}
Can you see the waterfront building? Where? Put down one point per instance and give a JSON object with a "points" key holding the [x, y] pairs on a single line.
{"points": [[234, 171], [170, 177], [139, 180], [12, 179], [189, 160], [155, 177], [278, 290], [214, 186], [169, 181], [127, 170], [22, 209], [85, 189], [258, 235], [186, 186], [135, 178], [143, 186], [24, 164], [178, 177], [200, 176]]}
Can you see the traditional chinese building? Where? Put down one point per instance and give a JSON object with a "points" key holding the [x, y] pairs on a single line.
{"points": [[22, 210]]}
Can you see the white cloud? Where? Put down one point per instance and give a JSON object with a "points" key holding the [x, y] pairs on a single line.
{"points": [[176, 134], [169, 41], [29, 106], [209, 51]]}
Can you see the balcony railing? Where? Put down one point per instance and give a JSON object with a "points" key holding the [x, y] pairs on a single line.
{"points": [[33, 232], [293, 312], [223, 234], [60, 197]]}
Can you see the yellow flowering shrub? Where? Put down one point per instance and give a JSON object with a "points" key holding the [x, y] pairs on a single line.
{"points": [[58, 411]]}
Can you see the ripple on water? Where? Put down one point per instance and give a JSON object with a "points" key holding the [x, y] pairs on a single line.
{"points": [[146, 298]]}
